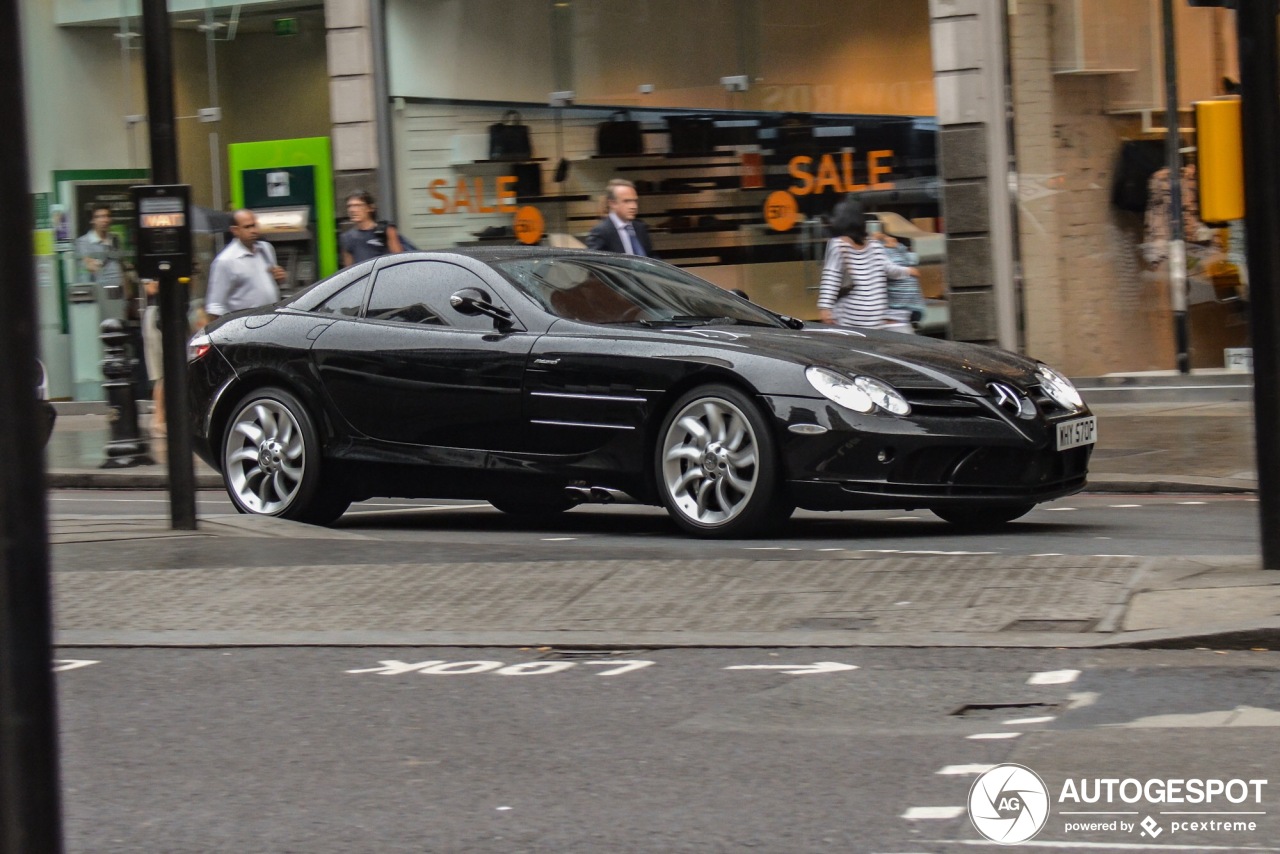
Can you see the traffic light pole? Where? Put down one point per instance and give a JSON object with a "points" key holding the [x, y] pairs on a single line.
{"points": [[30, 803], [1259, 129], [174, 332], [1173, 159]]}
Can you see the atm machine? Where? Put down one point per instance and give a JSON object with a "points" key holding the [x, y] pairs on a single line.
{"points": [[288, 230], [288, 184]]}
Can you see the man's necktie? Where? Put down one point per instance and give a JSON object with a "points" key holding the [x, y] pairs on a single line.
{"points": [[636, 248]]}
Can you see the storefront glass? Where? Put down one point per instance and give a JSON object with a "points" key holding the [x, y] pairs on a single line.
{"points": [[740, 123]]}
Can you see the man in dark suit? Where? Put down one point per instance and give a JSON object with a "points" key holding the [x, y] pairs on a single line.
{"points": [[620, 231]]}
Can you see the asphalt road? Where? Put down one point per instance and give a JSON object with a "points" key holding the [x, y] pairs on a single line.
{"points": [[1143, 525], [527, 750]]}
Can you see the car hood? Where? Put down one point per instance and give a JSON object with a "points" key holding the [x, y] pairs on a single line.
{"points": [[904, 361]]}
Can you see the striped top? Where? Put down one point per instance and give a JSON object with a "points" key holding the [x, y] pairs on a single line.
{"points": [[867, 304]]}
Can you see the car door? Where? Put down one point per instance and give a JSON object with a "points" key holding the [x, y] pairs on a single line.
{"points": [[412, 369]]}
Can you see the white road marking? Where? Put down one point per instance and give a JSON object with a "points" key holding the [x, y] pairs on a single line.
{"points": [[1060, 509], [964, 770], [1119, 506], [1048, 554], [1043, 719], [62, 665], [1054, 677], [992, 736], [1080, 699], [917, 813], [1192, 503], [523, 668], [903, 519], [798, 669], [558, 539]]}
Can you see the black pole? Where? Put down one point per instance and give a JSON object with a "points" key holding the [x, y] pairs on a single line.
{"points": [[1173, 159], [1260, 129], [30, 802], [158, 62]]}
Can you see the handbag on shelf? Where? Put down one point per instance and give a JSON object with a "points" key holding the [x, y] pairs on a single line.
{"points": [[509, 138], [619, 136], [691, 136]]}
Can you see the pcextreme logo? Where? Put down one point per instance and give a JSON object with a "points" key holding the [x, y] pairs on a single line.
{"points": [[1009, 804]]}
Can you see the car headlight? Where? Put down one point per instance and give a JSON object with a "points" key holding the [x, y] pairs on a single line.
{"points": [[1059, 388], [861, 394]]}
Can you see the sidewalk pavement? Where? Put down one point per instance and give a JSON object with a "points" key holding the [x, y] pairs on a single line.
{"points": [[265, 582]]}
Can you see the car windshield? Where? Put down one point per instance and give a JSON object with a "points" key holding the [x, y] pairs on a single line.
{"points": [[625, 289]]}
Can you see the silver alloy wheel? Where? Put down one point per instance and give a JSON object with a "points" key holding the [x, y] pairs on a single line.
{"points": [[263, 458], [709, 463]]}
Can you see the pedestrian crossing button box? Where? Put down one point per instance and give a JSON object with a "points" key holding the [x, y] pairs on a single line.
{"points": [[163, 230]]}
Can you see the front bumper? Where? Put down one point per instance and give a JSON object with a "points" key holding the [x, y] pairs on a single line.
{"points": [[969, 453]]}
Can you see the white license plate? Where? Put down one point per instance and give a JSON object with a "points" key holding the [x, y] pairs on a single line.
{"points": [[1073, 434]]}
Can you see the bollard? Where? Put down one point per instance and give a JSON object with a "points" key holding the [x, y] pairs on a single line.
{"points": [[126, 446]]}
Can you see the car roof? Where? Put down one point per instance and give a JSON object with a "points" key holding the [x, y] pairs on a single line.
{"points": [[505, 253]]}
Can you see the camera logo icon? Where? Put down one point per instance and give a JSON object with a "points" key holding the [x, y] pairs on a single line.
{"points": [[1009, 804]]}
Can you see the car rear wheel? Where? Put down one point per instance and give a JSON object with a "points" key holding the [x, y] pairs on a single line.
{"points": [[983, 516], [271, 461], [717, 466]]}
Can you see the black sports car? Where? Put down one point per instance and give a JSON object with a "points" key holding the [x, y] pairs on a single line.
{"points": [[540, 379]]}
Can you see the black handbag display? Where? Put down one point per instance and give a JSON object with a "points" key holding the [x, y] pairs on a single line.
{"points": [[691, 136], [509, 138], [620, 136], [1139, 159], [528, 179]]}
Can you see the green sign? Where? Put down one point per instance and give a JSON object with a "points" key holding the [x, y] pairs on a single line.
{"points": [[285, 26], [40, 203]]}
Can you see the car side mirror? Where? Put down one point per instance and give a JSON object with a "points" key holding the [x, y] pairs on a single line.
{"points": [[473, 301]]}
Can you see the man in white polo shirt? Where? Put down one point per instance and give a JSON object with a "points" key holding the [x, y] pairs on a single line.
{"points": [[245, 274]]}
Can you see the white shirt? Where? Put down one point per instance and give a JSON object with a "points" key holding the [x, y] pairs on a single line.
{"points": [[241, 278]]}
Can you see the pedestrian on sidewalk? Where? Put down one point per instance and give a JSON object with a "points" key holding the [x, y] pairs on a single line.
{"points": [[620, 230], [368, 238], [153, 354], [245, 273], [853, 291]]}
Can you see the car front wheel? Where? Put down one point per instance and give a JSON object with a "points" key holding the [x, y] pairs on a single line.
{"points": [[271, 461], [717, 466]]}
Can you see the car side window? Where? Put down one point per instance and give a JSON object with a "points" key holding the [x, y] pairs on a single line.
{"points": [[347, 301], [419, 292]]}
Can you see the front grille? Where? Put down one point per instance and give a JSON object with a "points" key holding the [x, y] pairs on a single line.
{"points": [[972, 470], [941, 402]]}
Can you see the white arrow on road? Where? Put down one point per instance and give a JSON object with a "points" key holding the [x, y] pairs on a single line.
{"points": [[798, 669], [62, 665]]}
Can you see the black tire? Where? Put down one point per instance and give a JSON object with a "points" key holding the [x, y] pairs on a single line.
{"points": [[716, 465], [533, 505], [272, 461], [982, 517]]}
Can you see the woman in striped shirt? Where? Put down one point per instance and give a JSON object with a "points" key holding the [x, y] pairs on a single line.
{"points": [[854, 286]]}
